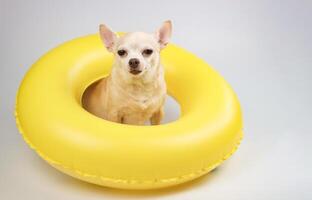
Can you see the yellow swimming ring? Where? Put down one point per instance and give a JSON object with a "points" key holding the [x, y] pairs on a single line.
{"points": [[50, 117]]}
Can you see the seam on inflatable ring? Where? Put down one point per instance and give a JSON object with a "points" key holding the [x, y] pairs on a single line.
{"points": [[125, 181]]}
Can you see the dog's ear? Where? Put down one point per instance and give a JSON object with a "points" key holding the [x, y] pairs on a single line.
{"points": [[108, 37], [163, 34]]}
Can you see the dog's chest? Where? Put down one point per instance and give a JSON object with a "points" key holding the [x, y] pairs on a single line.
{"points": [[147, 102], [137, 98], [143, 100]]}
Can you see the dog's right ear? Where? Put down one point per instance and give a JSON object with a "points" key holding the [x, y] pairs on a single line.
{"points": [[108, 37]]}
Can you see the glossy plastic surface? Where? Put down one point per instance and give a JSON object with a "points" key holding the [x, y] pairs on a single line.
{"points": [[50, 117]]}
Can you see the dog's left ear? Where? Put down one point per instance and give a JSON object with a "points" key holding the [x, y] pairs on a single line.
{"points": [[108, 37], [163, 34]]}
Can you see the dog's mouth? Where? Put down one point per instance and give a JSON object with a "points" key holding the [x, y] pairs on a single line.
{"points": [[135, 72]]}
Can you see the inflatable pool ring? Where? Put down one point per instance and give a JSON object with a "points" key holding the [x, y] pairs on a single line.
{"points": [[52, 121]]}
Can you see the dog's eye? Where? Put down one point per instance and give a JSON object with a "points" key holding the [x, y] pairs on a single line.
{"points": [[147, 52], [121, 52]]}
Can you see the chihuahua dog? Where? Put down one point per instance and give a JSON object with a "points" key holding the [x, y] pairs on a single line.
{"points": [[135, 91]]}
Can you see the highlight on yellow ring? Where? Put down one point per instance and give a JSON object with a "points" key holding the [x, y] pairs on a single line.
{"points": [[51, 120]]}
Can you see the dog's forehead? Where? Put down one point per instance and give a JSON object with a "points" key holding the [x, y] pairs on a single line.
{"points": [[137, 40]]}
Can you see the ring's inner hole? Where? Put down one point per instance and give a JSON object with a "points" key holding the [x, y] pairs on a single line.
{"points": [[171, 108]]}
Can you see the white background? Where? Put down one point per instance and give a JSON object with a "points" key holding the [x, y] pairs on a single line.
{"points": [[262, 48]]}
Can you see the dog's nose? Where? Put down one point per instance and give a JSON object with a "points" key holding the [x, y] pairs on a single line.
{"points": [[134, 63]]}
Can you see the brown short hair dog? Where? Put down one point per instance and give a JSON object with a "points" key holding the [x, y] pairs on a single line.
{"points": [[135, 91]]}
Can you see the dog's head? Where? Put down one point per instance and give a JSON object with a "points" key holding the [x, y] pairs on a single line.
{"points": [[136, 53]]}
